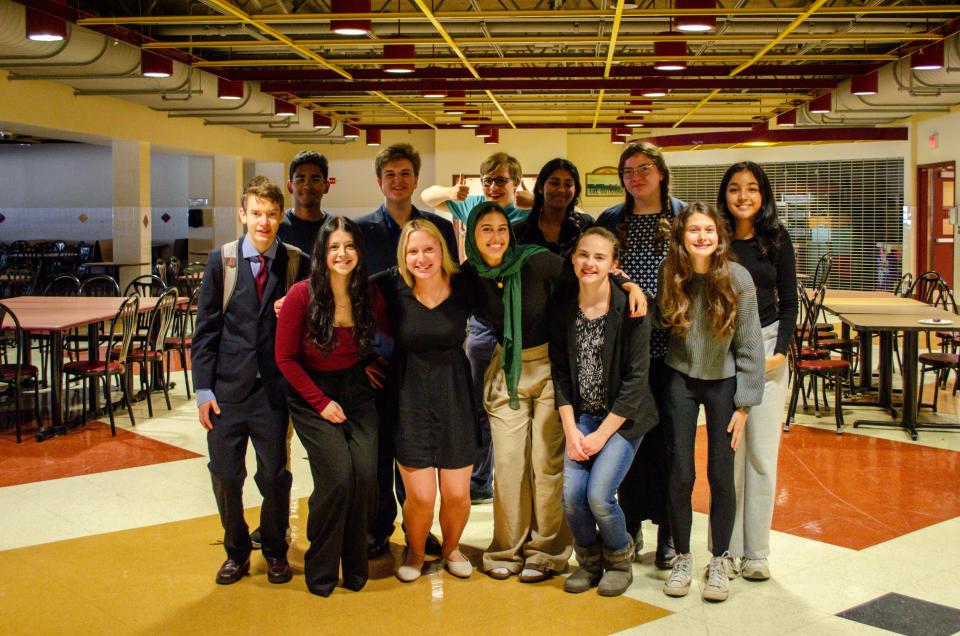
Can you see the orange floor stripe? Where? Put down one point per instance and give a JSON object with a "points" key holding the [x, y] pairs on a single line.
{"points": [[84, 451], [853, 490]]}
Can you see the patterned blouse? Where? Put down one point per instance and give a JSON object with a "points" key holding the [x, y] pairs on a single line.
{"points": [[593, 394], [641, 262]]}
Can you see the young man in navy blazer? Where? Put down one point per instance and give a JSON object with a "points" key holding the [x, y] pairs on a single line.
{"points": [[398, 174], [241, 394]]}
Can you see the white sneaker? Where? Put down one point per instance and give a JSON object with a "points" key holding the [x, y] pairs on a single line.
{"points": [[681, 574], [718, 583], [755, 569], [730, 567]]}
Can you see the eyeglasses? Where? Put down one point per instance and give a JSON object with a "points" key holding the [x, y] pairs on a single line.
{"points": [[500, 181], [642, 169], [314, 180]]}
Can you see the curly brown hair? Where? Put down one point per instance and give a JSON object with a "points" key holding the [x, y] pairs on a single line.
{"points": [[675, 287]]}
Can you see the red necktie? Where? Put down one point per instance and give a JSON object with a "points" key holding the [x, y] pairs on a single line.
{"points": [[261, 277]]}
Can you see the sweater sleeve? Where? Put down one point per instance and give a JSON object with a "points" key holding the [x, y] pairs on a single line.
{"points": [[747, 341], [291, 325], [787, 300]]}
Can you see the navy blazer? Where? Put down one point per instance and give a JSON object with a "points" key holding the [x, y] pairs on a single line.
{"points": [[612, 217], [381, 253], [626, 360], [230, 348]]}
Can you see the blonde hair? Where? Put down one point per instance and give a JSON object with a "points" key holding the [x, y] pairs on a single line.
{"points": [[497, 159], [421, 225]]}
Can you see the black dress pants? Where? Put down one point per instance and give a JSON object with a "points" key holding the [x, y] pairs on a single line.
{"points": [[388, 476], [684, 397], [343, 463], [266, 427], [643, 492]]}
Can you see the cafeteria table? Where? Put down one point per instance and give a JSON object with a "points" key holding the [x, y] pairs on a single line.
{"points": [[911, 325], [57, 315]]}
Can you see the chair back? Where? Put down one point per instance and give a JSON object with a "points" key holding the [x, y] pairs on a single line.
{"points": [[183, 321], [822, 271], [100, 285], [160, 269], [191, 278], [925, 286], [19, 281], [161, 319], [122, 328], [13, 333], [146, 285], [904, 285], [63, 285], [812, 309]]}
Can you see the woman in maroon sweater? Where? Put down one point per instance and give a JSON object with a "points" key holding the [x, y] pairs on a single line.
{"points": [[324, 334]]}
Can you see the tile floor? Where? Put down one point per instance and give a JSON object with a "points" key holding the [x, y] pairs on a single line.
{"points": [[119, 545]]}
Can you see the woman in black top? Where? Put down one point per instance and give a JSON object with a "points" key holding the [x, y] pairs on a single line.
{"points": [[554, 222], [514, 286], [600, 358], [428, 303], [763, 247]]}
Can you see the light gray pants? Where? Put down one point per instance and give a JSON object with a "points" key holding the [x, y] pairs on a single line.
{"points": [[755, 463]]}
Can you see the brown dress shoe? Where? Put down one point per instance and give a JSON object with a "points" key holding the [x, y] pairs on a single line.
{"points": [[278, 570], [231, 571]]}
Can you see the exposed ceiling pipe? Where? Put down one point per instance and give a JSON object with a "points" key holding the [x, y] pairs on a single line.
{"points": [[80, 63]]}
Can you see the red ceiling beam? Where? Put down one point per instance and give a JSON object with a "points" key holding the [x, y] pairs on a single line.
{"points": [[515, 72], [603, 125], [302, 88], [794, 135]]}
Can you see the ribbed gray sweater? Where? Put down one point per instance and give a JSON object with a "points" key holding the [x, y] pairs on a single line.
{"points": [[706, 356]]}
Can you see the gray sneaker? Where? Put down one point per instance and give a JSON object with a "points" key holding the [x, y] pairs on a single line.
{"points": [[681, 574], [718, 583], [730, 567], [755, 569]]}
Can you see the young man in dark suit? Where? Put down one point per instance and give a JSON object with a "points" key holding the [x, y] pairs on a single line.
{"points": [[241, 394], [398, 174]]}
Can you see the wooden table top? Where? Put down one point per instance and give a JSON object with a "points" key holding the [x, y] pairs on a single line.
{"points": [[905, 321], [844, 294], [59, 313], [890, 305]]}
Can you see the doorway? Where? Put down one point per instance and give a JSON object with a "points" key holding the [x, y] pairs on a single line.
{"points": [[935, 219]]}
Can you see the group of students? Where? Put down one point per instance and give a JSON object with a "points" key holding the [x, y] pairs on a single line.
{"points": [[577, 351]]}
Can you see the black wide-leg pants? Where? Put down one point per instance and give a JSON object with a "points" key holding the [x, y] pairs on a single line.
{"points": [[343, 463]]}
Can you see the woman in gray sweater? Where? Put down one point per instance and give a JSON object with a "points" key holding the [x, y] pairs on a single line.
{"points": [[715, 359]]}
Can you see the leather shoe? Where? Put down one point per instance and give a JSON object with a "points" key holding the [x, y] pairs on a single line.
{"points": [[231, 571], [535, 574], [433, 547], [278, 570], [377, 549]]}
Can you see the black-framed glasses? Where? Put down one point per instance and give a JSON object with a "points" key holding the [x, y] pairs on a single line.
{"points": [[643, 169], [312, 180], [500, 181]]}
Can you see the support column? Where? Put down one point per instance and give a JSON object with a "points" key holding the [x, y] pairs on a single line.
{"points": [[227, 183], [132, 226]]}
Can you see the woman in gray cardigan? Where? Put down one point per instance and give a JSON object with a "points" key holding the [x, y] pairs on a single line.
{"points": [[715, 359], [599, 360]]}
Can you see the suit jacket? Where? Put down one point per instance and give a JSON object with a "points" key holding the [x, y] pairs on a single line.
{"points": [[381, 252], [231, 347], [626, 360]]}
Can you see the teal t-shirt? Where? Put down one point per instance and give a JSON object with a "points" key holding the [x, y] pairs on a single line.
{"points": [[461, 209]]}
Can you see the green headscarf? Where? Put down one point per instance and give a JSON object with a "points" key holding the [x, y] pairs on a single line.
{"points": [[507, 272]]}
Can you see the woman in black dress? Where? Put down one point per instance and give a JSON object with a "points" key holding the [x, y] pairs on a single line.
{"points": [[428, 303]]}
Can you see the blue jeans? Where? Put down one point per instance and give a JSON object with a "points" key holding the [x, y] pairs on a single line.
{"points": [[590, 488]]}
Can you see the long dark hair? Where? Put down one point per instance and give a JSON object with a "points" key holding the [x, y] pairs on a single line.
{"points": [[766, 223], [320, 317], [654, 154], [548, 169], [678, 272]]}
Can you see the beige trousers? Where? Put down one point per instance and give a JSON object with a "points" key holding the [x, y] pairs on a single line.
{"points": [[529, 529]]}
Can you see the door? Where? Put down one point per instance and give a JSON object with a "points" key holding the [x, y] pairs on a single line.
{"points": [[935, 228]]}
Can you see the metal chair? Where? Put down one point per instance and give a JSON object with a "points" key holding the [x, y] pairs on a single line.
{"points": [[63, 285], [809, 362], [13, 374], [182, 338], [101, 286], [943, 361], [149, 351], [146, 285], [115, 364]]}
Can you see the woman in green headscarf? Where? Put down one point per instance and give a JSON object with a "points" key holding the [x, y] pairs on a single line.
{"points": [[514, 286]]}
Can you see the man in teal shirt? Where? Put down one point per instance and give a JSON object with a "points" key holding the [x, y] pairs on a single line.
{"points": [[501, 176]]}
